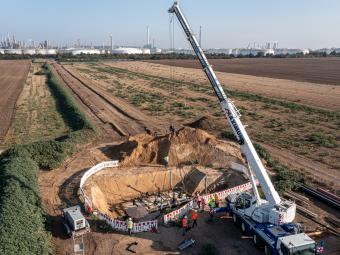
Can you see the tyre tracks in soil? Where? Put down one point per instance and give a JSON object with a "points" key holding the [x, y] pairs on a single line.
{"points": [[115, 117]]}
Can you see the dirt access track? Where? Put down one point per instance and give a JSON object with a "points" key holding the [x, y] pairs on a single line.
{"points": [[114, 116], [290, 86], [13, 74]]}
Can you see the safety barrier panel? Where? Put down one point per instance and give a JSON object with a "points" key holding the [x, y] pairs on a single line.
{"points": [[121, 225], [89, 173], [115, 224], [221, 194], [96, 169]]}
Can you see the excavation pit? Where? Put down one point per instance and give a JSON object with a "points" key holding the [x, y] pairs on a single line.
{"points": [[156, 188], [164, 171]]}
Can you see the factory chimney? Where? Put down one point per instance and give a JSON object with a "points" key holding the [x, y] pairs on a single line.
{"points": [[200, 36], [148, 36], [111, 44]]}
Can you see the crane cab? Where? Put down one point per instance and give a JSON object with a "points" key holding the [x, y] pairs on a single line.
{"points": [[296, 244]]}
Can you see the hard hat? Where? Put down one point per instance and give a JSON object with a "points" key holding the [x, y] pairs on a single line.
{"points": [[130, 218], [185, 217]]}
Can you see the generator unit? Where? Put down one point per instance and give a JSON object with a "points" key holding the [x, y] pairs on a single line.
{"points": [[75, 221]]}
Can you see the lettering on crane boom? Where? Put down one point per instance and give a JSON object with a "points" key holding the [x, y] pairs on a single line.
{"points": [[235, 126]]}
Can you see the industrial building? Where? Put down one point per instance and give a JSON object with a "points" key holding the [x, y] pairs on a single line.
{"points": [[291, 51], [46, 51], [128, 50], [85, 51]]}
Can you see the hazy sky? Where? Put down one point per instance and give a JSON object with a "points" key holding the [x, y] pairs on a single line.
{"points": [[225, 23]]}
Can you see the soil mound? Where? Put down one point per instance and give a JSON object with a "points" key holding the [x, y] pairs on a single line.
{"points": [[185, 147], [204, 123]]}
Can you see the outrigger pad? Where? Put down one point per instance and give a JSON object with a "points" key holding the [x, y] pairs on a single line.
{"points": [[186, 243]]}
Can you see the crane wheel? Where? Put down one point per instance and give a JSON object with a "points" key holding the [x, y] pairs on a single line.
{"points": [[235, 220], [267, 250], [258, 242], [244, 227]]}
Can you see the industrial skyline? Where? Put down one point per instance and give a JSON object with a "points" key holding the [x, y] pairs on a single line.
{"points": [[10, 41], [295, 24]]}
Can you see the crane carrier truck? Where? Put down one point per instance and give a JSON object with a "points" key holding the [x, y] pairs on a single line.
{"points": [[269, 220]]}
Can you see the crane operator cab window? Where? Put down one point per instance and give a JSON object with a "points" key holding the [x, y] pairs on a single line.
{"points": [[243, 201]]}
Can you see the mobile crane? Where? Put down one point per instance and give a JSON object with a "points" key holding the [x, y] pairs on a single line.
{"points": [[268, 220]]}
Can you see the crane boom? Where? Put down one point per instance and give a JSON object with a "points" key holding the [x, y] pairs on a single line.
{"points": [[231, 114]]}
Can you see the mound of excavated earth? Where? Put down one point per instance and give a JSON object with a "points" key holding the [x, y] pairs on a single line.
{"points": [[186, 146]]}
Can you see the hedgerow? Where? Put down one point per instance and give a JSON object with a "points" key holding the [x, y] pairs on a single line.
{"points": [[67, 105], [22, 221]]}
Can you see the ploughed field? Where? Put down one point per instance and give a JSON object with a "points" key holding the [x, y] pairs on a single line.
{"points": [[13, 74], [315, 70]]}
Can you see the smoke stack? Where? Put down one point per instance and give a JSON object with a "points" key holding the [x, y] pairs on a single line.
{"points": [[111, 43], [201, 36], [147, 36]]}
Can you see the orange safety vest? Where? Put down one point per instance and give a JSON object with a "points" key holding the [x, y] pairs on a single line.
{"points": [[194, 215], [184, 223]]}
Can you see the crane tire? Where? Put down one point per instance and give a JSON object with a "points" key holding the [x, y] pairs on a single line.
{"points": [[235, 220], [244, 227], [267, 250], [257, 241]]}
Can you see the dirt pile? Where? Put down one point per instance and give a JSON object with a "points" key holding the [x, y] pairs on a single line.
{"points": [[206, 124], [187, 146]]}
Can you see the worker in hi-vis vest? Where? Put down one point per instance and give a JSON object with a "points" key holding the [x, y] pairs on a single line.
{"points": [[194, 217], [129, 224], [184, 225]]}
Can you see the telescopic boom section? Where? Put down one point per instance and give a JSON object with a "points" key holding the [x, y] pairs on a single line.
{"points": [[230, 112]]}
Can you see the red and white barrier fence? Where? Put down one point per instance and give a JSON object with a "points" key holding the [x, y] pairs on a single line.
{"points": [[221, 194], [121, 225]]}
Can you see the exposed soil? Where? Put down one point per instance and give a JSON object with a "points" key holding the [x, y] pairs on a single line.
{"points": [[315, 70], [59, 189], [13, 74], [187, 146]]}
